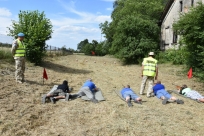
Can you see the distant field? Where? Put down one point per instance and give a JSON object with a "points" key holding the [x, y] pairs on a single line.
{"points": [[22, 113]]}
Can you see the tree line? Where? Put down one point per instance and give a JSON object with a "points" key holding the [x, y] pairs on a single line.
{"points": [[133, 31]]}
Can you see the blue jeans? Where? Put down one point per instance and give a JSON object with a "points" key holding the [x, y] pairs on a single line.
{"points": [[164, 93], [130, 94]]}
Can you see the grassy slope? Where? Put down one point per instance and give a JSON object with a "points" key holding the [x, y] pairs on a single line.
{"points": [[23, 114]]}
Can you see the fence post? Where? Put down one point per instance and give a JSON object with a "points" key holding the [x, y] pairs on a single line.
{"points": [[50, 50]]}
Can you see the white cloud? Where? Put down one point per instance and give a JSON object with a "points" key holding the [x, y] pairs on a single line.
{"points": [[70, 31], [109, 8], [5, 12], [3, 26]]}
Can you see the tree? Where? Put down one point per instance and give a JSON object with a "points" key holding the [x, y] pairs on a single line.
{"points": [[190, 27], [133, 31], [37, 29], [82, 44]]}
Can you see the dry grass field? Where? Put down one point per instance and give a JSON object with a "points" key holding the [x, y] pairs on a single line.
{"points": [[22, 114]]}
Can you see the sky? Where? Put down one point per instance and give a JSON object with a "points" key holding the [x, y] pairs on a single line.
{"points": [[72, 20]]}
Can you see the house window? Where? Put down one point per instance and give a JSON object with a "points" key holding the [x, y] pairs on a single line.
{"points": [[192, 3], [181, 6], [175, 37]]}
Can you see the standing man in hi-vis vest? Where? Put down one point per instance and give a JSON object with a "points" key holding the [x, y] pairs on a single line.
{"points": [[149, 72], [18, 51]]}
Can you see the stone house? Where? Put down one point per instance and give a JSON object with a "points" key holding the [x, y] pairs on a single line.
{"points": [[171, 13]]}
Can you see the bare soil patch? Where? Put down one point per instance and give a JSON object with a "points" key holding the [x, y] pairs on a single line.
{"points": [[21, 111]]}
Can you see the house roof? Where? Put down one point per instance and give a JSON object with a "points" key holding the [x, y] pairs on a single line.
{"points": [[166, 9]]}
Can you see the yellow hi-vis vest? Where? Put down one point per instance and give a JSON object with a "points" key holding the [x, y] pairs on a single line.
{"points": [[20, 51], [149, 67]]}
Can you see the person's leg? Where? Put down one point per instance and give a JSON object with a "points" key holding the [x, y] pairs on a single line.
{"points": [[18, 72], [144, 79], [23, 69], [81, 92], [150, 85], [126, 95], [174, 99], [61, 95], [89, 94], [161, 95], [201, 100], [135, 98]]}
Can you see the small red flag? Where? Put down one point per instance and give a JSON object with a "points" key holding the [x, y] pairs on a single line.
{"points": [[93, 53], [190, 73], [45, 74]]}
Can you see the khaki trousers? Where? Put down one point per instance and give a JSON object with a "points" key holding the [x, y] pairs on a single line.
{"points": [[20, 68], [150, 81]]}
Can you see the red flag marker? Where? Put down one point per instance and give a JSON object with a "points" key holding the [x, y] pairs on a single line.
{"points": [[45, 74], [190, 73]]}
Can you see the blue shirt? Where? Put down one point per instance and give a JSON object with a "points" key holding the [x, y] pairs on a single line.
{"points": [[89, 84], [158, 87], [125, 90]]}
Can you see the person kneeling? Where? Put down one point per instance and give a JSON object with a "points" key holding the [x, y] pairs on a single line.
{"points": [[60, 93], [129, 94], [161, 93]]}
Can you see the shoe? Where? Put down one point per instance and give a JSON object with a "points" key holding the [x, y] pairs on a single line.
{"points": [[67, 97], [53, 100], [152, 95], [74, 96], [141, 93], [171, 101], [148, 96], [94, 100], [179, 101], [129, 103], [44, 99], [138, 102], [18, 81], [164, 101]]}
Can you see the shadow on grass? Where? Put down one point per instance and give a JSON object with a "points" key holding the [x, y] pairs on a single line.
{"points": [[63, 69]]}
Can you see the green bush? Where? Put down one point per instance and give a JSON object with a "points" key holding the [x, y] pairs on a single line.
{"points": [[190, 27], [173, 56]]}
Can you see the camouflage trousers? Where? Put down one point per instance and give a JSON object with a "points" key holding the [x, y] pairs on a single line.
{"points": [[20, 68], [150, 81]]}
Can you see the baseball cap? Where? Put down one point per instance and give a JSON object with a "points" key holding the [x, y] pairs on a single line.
{"points": [[151, 53], [21, 34]]}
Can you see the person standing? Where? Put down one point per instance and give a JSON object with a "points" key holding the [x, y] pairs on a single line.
{"points": [[18, 51], [149, 73]]}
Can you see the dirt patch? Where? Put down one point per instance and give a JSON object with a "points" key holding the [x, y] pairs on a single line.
{"points": [[23, 114]]}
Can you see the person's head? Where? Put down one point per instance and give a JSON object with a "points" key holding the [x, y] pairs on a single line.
{"points": [[21, 36], [89, 79], [65, 82], [158, 82], [184, 86], [151, 54], [127, 86]]}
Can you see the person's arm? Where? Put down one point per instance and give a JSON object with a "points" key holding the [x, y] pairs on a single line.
{"points": [[14, 47], [156, 77], [142, 71]]}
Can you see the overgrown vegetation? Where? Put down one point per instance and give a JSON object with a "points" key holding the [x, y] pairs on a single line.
{"points": [[37, 29], [174, 56], [99, 49], [190, 27]]}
